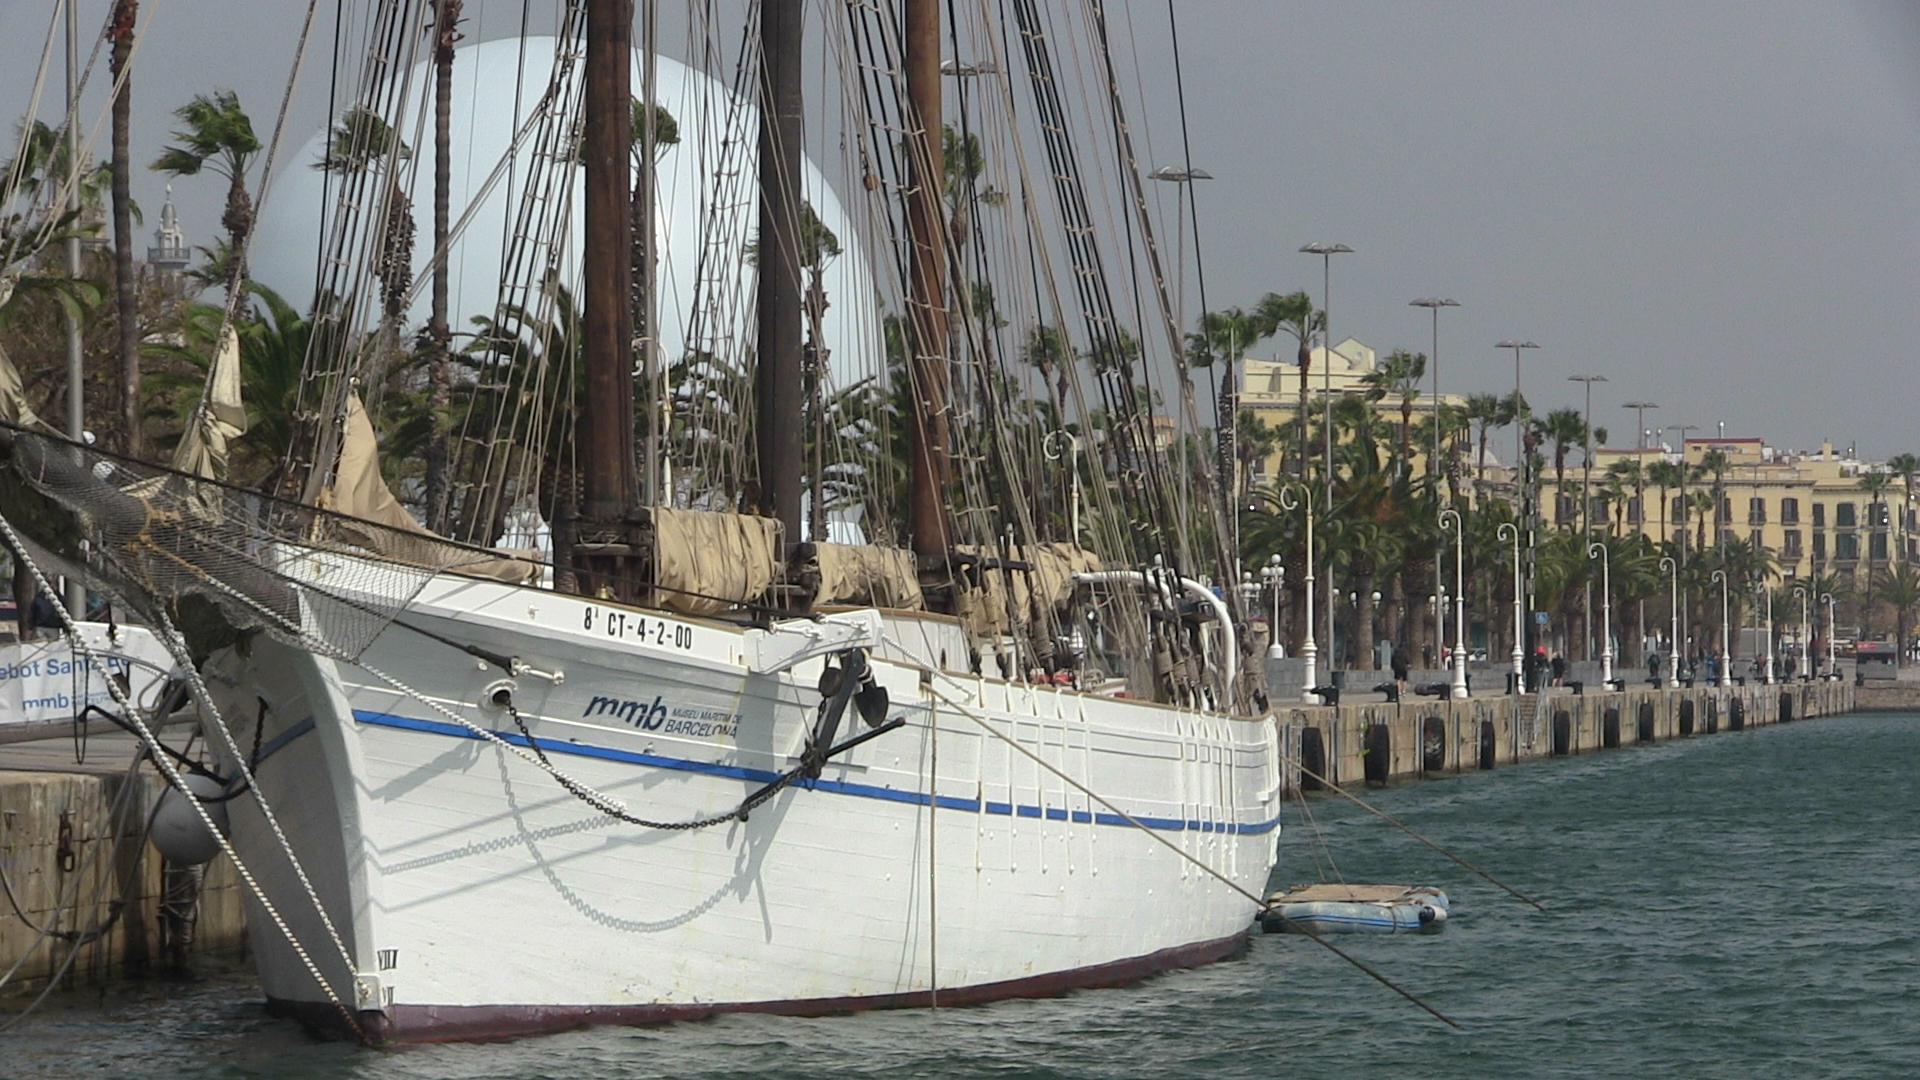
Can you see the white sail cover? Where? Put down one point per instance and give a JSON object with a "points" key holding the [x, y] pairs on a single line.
{"points": [[221, 416]]}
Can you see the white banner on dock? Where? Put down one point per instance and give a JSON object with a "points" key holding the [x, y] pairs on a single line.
{"points": [[44, 680]]}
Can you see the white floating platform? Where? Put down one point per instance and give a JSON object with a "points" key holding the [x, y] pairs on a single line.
{"points": [[1355, 909]]}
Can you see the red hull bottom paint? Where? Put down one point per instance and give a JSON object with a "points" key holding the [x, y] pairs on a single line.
{"points": [[463, 1023]]}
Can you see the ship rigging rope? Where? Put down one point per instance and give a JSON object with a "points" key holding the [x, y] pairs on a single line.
{"points": [[1403, 827], [1308, 931], [172, 638]]}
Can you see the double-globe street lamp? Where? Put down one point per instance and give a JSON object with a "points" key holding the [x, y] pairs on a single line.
{"points": [[1274, 576], [1805, 594]]}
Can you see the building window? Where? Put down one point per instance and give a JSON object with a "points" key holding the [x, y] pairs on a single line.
{"points": [[1790, 511], [1791, 548], [1820, 545], [1756, 511], [1846, 546], [1726, 508], [1843, 515], [1756, 540], [1819, 515], [1633, 510], [1877, 544], [1679, 508], [1878, 511]]}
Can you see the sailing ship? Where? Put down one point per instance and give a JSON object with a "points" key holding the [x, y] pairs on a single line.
{"points": [[691, 756]]}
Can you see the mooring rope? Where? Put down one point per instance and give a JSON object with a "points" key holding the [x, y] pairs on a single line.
{"points": [[1398, 824], [75, 641], [1175, 848]]}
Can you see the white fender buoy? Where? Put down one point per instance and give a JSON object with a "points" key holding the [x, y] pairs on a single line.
{"points": [[178, 831]]}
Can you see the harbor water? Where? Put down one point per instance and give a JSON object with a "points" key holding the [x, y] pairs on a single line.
{"points": [[1733, 906]]}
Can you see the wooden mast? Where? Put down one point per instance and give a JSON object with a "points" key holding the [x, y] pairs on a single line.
{"points": [[606, 418], [927, 289], [778, 393]]}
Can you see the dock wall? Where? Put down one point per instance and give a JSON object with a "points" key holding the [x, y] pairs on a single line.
{"points": [[1382, 743], [66, 873]]}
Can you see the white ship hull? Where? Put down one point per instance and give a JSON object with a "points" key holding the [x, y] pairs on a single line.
{"points": [[477, 898]]}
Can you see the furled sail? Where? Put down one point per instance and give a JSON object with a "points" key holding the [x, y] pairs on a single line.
{"points": [[703, 562], [13, 398], [359, 491], [868, 575], [221, 416]]}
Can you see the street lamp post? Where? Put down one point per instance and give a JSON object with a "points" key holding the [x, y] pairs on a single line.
{"points": [[1459, 600], [1434, 304], [1275, 576], [1683, 429], [1182, 175], [1640, 421], [1309, 652], [1832, 671], [1766, 599], [1726, 650], [1673, 645], [1606, 609], [1326, 253], [1507, 531], [1523, 469], [1806, 631], [1586, 494]]}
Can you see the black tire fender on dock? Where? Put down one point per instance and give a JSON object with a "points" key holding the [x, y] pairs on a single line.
{"points": [[1379, 754], [1736, 715], [1433, 745], [1489, 744], [1562, 733], [1313, 759], [1643, 727], [1610, 728], [1786, 706], [1686, 716]]}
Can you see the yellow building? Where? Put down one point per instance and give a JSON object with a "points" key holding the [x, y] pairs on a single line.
{"points": [[1807, 509], [1270, 389]]}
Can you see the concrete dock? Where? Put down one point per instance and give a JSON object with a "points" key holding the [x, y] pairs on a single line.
{"points": [[79, 886]]}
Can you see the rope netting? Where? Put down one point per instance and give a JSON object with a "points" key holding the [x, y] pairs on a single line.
{"points": [[319, 581]]}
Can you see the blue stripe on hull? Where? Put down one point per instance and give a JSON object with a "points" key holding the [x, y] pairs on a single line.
{"points": [[837, 787]]}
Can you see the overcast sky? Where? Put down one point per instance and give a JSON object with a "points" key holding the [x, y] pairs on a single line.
{"points": [[1714, 204]]}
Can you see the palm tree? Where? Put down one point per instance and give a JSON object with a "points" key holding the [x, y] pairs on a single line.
{"points": [[1565, 429], [1875, 483], [1295, 314], [1399, 376], [1905, 466], [1224, 337], [218, 136], [126, 284], [1898, 586], [273, 349]]}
